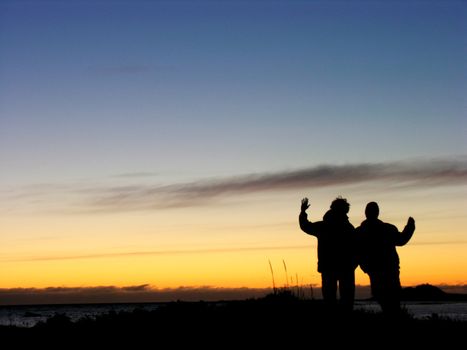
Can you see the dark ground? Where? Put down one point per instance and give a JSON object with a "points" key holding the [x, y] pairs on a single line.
{"points": [[276, 320]]}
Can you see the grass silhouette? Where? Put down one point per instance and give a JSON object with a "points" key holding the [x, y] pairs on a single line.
{"points": [[296, 290]]}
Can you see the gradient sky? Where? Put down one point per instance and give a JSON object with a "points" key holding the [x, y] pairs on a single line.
{"points": [[169, 143]]}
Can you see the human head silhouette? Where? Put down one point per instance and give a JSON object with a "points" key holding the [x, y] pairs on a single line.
{"points": [[372, 211], [340, 205]]}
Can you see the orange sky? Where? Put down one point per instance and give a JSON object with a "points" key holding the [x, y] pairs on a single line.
{"points": [[224, 245]]}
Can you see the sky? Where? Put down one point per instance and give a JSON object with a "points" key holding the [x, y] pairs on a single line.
{"points": [[159, 145]]}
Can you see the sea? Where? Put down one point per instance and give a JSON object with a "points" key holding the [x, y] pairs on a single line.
{"points": [[30, 315]]}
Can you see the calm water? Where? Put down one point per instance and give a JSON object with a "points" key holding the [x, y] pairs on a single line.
{"points": [[422, 310], [28, 316]]}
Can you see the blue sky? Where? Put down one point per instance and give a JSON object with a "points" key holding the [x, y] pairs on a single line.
{"points": [[203, 88]]}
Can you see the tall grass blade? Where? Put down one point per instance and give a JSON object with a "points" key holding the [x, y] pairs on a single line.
{"points": [[272, 274], [286, 275]]}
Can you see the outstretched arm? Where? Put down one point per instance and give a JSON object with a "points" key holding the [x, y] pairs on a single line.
{"points": [[305, 225], [407, 233]]}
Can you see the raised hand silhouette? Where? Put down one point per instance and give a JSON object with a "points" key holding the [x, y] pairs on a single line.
{"points": [[305, 204], [336, 253], [411, 223]]}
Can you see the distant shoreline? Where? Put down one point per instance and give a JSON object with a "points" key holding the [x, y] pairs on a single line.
{"points": [[69, 296]]}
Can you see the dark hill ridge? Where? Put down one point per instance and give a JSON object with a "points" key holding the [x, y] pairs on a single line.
{"points": [[428, 292]]}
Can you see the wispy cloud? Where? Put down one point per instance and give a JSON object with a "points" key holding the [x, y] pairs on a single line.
{"points": [[141, 195], [417, 173], [39, 258], [139, 174], [454, 288], [119, 69], [127, 294], [154, 253], [437, 243], [129, 69]]}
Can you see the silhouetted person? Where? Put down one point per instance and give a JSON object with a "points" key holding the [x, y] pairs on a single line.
{"points": [[336, 255], [378, 257]]}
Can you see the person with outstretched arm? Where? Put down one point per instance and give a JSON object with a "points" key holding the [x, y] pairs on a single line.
{"points": [[336, 253], [377, 255]]}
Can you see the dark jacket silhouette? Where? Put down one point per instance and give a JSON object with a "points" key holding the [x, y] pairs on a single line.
{"points": [[377, 255], [336, 253]]}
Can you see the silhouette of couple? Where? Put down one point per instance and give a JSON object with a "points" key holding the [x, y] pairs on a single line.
{"points": [[341, 248]]}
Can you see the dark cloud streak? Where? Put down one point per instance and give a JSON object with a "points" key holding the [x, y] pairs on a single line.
{"points": [[418, 173], [128, 294], [141, 195]]}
